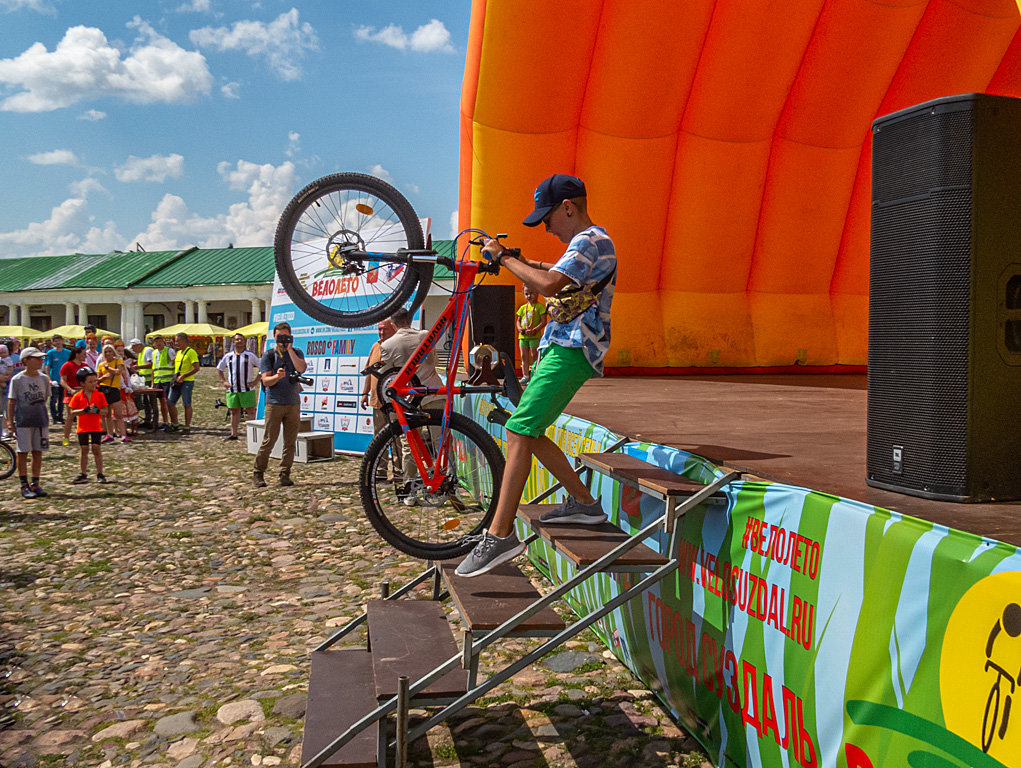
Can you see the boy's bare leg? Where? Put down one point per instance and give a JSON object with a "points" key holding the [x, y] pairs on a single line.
{"points": [[83, 460], [520, 450], [97, 454], [37, 463], [22, 464], [235, 420]]}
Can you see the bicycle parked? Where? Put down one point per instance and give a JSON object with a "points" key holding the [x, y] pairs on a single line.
{"points": [[349, 250], [8, 459]]}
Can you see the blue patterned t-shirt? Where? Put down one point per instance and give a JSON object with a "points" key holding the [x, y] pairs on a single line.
{"points": [[589, 258]]}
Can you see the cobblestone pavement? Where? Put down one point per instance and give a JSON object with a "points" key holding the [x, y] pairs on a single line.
{"points": [[167, 618]]}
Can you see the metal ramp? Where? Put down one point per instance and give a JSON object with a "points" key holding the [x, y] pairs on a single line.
{"points": [[419, 664]]}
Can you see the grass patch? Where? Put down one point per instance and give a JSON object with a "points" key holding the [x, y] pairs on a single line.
{"points": [[91, 569]]}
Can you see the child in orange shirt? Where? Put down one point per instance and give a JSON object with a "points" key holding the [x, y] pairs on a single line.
{"points": [[90, 407]]}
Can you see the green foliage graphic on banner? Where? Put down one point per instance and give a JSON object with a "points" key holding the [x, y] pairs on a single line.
{"points": [[804, 629]]}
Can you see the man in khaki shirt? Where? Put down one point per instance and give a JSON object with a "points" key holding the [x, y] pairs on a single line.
{"points": [[370, 397], [395, 352]]}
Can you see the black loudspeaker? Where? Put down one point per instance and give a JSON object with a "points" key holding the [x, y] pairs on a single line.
{"points": [[492, 317], [944, 384]]}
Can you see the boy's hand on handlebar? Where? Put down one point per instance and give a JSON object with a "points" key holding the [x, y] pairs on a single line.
{"points": [[496, 252]]}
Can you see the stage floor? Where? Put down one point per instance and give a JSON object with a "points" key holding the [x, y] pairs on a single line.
{"points": [[802, 430]]}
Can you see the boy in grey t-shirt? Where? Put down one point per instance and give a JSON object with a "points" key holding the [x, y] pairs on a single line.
{"points": [[29, 419]]}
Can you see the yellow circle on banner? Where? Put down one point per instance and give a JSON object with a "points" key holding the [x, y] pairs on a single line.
{"points": [[980, 668]]}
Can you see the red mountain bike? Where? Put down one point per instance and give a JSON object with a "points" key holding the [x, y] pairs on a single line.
{"points": [[349, 251]]}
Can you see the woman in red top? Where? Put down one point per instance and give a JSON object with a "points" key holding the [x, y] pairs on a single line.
{"points": [[68, 374]]}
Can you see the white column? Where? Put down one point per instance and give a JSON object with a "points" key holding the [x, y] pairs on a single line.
{"points": [[203, 312], [125, 324], [68, 313], [24, 315], [256, 310], [189, 311], [139, 321], [83, 313]]}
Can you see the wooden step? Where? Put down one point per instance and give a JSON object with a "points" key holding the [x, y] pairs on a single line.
{"points": [[584, 544], [632, 471], [412, 637], [341, 691], [487, 601]]}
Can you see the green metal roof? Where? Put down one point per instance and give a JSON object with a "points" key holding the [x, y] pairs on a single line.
{"points": [[154, 269], [119, 270], [214, 266]]}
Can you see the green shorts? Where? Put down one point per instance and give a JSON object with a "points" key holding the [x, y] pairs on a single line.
{"points": [[556, 378], [532, 342], [242, 399]]}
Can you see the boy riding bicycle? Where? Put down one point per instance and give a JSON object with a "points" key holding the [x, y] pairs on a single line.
{"points": [[577, 337]]}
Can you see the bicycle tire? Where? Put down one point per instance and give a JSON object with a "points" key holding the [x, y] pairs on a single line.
{"points": [[437, 530], [349, 209], [8, 461]]}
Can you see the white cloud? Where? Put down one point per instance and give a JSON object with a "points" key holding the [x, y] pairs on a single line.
{"points": [[42, 6], [293, 143], [433, 37], [454, 229], [381, 172], [92, 115], [69, 229], [195, 6], [231, 90], [55, 157], [85, 65], [249, 223], [153, 168], [281, 42]]}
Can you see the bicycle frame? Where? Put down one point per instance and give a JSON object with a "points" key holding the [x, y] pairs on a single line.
{"points": [[403, 388]]}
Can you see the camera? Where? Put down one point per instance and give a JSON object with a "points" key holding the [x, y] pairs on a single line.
{"points": [[284, 338], [296, 378], [219, 403]]}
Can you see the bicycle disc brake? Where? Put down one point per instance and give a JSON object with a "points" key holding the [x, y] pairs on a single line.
{"points": [[386, 380], [339, 249]]}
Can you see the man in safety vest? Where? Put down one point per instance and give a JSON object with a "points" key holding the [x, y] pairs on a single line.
{"points": [[159, 359], [186, 365]]}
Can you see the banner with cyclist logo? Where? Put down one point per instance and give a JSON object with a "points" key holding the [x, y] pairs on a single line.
{"points": [[335, 356], [807, 629]]}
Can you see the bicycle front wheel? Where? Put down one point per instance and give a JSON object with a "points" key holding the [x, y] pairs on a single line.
{"points": [[434, 526], [7, 461], [319, 241]]}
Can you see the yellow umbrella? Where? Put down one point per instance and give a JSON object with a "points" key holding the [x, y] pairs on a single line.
{"points": [[75, 332], [253, 329], [21, 332], [192, 329]]}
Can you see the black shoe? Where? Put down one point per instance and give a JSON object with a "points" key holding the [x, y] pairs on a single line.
{"points": [[27, 492], [39, 492], [286, 481], [102, 478], [258, 480], [80, 479], [228, 438]]}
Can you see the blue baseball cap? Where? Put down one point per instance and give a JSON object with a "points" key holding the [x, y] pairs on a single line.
{"points": [[551, 193]]}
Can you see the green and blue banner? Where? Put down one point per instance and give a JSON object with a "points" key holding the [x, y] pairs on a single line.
{"points": [[807, 629]]}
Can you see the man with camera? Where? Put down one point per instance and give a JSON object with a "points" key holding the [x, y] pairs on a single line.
{"points": [[280, 369]]}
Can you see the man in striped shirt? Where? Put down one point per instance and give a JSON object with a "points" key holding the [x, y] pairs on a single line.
{"points": [[242, 374]]}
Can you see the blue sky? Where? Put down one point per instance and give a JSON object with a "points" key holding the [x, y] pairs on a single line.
{"points": [[193, 122]]}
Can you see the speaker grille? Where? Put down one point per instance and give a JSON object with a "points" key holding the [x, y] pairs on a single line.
{"points": [[922, 153], [919, 303]]}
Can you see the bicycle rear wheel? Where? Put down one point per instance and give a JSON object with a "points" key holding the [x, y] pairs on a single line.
{"points": [[438, 527], [318, 233], [8, 461]]}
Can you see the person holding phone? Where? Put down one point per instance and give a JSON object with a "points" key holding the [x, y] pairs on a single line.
{"points": [[279, 370]]}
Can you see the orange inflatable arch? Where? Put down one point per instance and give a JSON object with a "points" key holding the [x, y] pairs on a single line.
{"points": [[726, 147]]}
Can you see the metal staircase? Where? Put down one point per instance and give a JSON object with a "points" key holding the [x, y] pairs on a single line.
{"points": [[412, 657]]}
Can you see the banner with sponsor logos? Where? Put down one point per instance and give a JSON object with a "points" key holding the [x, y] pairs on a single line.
{"points": [[335, 356], [807, 629]]}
